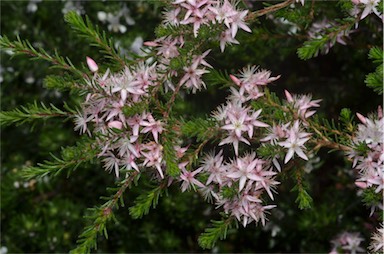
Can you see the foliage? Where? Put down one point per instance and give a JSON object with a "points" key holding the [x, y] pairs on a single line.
{"points": [[180, 127]]}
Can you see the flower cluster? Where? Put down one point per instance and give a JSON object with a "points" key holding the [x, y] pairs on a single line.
{"points": [[125, 140], [208, 12], [290, 135], [368, 152], [195, 13], [167, 50], [347, 242], [237, 184], [252, 176]]}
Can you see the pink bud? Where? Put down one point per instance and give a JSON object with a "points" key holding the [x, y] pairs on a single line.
{"points": [[356, 1], [115, 124], [379, 112], [235, 79], [361, 185], [361, 118], [150, 44], [288, 95], [92, 64]]}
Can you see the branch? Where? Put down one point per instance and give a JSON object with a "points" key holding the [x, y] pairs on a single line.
{"points": [[253, 15], [21, 47], [100, 216], [218, 231], [93, 35], [71, 158], [30, 113]]}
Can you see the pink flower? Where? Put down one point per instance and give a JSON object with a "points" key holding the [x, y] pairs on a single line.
{"points": [[180, 151], [170, 17], [226, 38], [188, 178], [276, 132], [125, 85], [81, 122], [156, 127], [295, 143], [213, 165], [236, 121], [260, 211], [134, 123], [192, 77], [302, 103], [153, 156], [224, 13], [238, 22], [244, 170], [111, 162]]}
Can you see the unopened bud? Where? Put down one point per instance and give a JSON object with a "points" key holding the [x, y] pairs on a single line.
{"points": [[150, 44], [288, 95], [115, 124], [361, 118], [235, 79], [92, 64], [379, 112], [361, 185]]}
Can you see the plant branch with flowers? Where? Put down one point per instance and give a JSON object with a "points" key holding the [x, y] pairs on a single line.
{"points": [[133, 128]]}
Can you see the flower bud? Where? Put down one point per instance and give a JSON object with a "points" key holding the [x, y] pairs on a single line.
{"points": [[288, 95], [115, 124], [151, 44], [235, 79], [361, 118], [379, 112], [361, 185], [92, 64]]}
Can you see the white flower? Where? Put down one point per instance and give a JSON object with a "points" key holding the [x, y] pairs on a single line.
{"points": [[370, 6], [295, 142]]}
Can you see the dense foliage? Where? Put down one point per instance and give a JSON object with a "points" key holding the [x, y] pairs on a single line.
{"points": [[166, 111]]}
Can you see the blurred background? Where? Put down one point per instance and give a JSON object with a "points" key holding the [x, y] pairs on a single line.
{"points": [[47, 215]]}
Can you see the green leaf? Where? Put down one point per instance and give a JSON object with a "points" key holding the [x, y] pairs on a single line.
{"points": [[374, 80], [92, 34], [24, 47], [218, 231], [30, 113], [311, 48], [200, 128], [218, 78], [61, 83], [71, 158], [303, 199], [135, 109], [100, 216], [376, 54], [144, 202]]}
